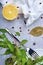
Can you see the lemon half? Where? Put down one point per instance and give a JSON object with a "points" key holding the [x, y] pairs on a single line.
{"points": [[10, 12]]}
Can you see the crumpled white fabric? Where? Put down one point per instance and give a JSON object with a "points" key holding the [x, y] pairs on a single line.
{"points": [[32, 9]]}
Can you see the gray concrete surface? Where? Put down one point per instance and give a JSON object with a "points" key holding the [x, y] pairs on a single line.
{"points": [[24, 34]]}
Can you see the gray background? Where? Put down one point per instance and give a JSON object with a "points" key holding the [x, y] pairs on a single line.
{"points": [[24, 34]]}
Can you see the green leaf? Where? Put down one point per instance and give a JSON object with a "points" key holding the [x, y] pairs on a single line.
{"points": [[23, 52], [30, 62], [23, 42], [14, 58], [3, 44], [7, 52], [10, 45], [3, 30], [9, 61], [18, 52], [17, 33], [2, 36], [39, 59], [24, 60]]}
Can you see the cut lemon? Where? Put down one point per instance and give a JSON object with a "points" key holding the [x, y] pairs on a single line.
{"points": [[10, 12]]}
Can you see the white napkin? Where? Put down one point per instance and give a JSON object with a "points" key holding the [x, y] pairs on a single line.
{"points": [[36, 8], [32, 9]]}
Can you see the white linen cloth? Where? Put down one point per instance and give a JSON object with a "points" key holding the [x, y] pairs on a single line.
{"points": [[32, 9]]}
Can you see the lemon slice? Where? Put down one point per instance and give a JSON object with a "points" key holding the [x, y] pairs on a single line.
{"points": [[10, 12]]}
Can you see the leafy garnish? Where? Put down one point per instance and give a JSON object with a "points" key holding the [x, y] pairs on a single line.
{"points": [[3, 44], [30, 62], [23, 42], [7, 52], [3, 30], [17, 33], [18, 54], [9, 61], [6, 42], [39, 59]]}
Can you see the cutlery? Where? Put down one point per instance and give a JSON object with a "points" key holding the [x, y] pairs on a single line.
{"points": [[30, 51]]}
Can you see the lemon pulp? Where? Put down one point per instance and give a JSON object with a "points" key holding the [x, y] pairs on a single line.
{"points": [[10, 12]]}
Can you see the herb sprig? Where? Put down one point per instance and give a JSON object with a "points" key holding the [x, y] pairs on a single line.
{"points": [[18, 54]]}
